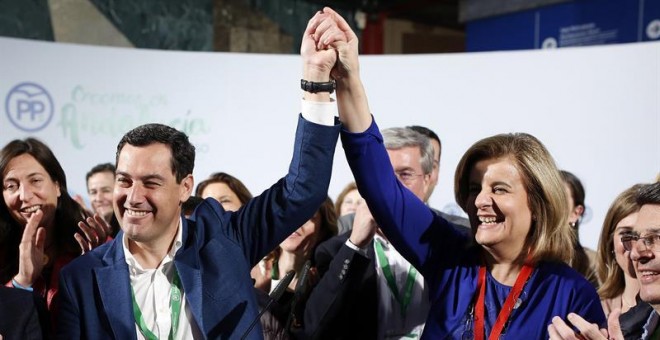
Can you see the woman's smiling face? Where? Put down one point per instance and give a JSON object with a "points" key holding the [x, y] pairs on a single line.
{"points": [[27, 187], [498, 205]]}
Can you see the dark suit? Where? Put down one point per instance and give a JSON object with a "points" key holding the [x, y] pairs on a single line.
{"points": [[344, 304], [22, 315], [218, 250]]}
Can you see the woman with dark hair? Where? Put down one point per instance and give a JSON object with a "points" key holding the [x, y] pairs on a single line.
{"points": [[226, 189], [584, 260], [38, 219], [291, 255]]}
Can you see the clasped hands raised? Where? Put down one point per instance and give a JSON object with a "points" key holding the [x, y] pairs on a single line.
{"points": [[329, 47]]}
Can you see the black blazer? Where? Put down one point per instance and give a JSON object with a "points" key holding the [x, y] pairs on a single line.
{"points": [[344, 304], [22, 315]]}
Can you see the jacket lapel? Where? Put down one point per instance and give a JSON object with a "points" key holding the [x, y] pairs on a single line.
{"points": [[186, 262], [115, 291]]}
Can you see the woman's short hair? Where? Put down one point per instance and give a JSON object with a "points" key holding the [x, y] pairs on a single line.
{"points": [[232, 182], [550, 237], [609, 272]]}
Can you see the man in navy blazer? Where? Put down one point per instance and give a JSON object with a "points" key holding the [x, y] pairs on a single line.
{"points": [[165, 276]]}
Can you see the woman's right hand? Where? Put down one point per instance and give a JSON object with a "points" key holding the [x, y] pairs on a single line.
{"points": [[32, 257]]}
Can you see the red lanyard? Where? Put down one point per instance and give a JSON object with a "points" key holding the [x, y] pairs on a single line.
{"points": [[503, 316]]}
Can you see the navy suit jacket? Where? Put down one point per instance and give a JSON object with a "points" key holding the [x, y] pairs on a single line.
{"points": [[23, 315], [218, 250]]}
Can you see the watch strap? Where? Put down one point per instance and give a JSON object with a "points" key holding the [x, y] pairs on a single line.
{"points": [[315, 87]]}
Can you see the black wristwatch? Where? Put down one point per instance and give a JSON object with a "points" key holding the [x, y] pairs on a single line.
{"points": [[313, 87]]}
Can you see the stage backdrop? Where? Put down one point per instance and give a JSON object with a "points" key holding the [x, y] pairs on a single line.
{"points": [[597, 109]]}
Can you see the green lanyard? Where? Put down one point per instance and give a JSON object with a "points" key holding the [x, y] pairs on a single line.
{"points": [[175, 306], [391, 282]]}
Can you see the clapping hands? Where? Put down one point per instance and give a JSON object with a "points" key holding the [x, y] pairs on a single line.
{"points": [[560, 329], [32, 255], [95, 230]]}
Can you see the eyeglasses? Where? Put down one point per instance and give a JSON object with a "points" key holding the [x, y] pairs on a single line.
{"points": [[407, 176], [651, 241]]}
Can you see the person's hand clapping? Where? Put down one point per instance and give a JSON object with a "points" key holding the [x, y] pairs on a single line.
{"points": [[32, 256], [96, 231], [560, 329]]}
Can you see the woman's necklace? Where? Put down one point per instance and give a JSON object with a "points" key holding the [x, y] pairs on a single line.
{"points": [[623, 299]]}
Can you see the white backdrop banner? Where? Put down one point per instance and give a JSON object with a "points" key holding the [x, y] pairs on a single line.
{"points": [[597, 109]]}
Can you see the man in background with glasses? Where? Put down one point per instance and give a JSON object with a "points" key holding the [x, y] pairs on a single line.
{"points": [[643, 243]]}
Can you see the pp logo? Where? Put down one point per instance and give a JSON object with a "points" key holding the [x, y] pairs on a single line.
{"points": [[29, 107]]}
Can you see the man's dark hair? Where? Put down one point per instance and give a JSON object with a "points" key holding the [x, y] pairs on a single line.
{"points": [[183, 152], [428, 133], [649, 194], [103, 167]]}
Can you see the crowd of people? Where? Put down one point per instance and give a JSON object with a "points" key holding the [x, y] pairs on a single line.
{"points": [[155, 257]]}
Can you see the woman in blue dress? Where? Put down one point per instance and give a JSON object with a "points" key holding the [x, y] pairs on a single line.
{"points": [[509, 279]]}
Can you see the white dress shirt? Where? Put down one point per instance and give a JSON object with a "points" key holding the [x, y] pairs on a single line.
{"points": [[152, 294], [322, 113]]}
